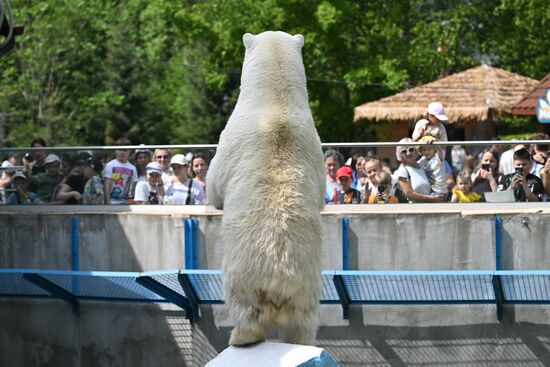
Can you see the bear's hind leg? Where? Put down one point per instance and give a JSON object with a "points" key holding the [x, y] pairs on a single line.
{"points": [[301, 328], [249, 329]]}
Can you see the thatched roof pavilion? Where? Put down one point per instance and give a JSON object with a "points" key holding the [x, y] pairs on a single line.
{"points": [[528, 104], [482, 93]]}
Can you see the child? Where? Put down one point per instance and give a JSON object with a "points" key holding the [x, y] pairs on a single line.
{"points": [[93, 193], [119, 175], [346, 195], [462, 191], [152, 190], [383, 196], [433, 166], [525, 185]]}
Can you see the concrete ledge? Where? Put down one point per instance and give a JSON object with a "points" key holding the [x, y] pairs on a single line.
{"points": [[207, 210], [269, 354]]}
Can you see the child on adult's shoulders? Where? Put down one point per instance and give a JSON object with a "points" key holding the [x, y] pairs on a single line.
{"points": [[432, 164], [346, 194]]}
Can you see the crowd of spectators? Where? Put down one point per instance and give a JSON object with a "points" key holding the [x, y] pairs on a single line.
{"points": [[424, 173], [142, 178]]}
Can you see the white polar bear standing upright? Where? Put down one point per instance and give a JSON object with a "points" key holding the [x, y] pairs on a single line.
{"points": [[268, 176]]}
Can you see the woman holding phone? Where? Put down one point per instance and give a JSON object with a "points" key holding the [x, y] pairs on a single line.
{"points": [[486, 176]]}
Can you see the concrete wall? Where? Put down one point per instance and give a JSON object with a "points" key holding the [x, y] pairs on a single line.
{"points": [[385, 237]]}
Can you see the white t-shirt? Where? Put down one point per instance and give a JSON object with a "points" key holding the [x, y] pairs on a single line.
{"points": [[416, 176], [122, 174], [176, 194], [435, 170], [146, 193], [167, 177], [423, 128], [506, 164]]}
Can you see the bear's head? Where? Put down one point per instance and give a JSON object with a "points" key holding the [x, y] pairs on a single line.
{"points": [[271, 55]]}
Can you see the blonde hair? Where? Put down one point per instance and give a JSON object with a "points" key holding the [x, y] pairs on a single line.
{"points": [[399, 148], [465, 177]]}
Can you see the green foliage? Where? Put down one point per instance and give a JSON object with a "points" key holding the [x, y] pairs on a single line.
{"points": [[164, 71]]}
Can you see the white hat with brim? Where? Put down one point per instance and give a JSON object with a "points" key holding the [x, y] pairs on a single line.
{"points": [[436, 109], [179, 159]]}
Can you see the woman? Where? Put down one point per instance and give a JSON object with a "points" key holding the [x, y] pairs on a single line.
{"points": [[141, 158], [486, 176], [199, 168], [412, 179], [333, 161], [182, 190], [70, 189]]}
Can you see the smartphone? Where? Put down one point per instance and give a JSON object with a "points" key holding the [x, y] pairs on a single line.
{"points": [[519, 171], [486, 166]]}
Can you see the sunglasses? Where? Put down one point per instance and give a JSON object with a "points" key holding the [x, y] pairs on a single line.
{"points": [[410, 150], [162, 157]]}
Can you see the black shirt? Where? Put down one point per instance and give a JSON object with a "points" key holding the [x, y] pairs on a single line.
{"points": [[533, 182]]}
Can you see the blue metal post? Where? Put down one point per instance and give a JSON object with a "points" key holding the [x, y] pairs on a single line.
{"points": [[75, 261], [191, 243], [345, 243], [498, 241], [75, 239]]}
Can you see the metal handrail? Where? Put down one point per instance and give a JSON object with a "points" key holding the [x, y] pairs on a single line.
{"points": [[324, 145]]}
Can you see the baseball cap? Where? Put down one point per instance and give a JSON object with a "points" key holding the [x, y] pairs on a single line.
{"points": [[143, 150], [436, 109], [344, 171], [179, 159], [19, 174], [154, 167], [51, 158]]}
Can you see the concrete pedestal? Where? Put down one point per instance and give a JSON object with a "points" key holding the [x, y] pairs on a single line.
{"points": [[269, 354]]}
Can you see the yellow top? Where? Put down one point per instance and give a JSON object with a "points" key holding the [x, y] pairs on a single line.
{"points": [[466, 197]]}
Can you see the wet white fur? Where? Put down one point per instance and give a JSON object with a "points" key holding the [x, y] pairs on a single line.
{"points": [[268, 176]]}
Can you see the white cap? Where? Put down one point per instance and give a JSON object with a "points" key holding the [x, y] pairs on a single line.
{"points": [[154, 167], [51, 158], [436, 109], [179, 159]]}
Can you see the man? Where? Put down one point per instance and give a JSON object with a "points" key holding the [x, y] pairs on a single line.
{"points": [[526, 186], [163, 157]]}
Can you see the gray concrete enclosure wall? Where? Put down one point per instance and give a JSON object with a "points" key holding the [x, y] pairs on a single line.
{"points": [[384, 237]]}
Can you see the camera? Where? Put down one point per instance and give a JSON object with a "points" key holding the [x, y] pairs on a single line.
{"points": [[486, 166], [28, 157], [382, 188]]}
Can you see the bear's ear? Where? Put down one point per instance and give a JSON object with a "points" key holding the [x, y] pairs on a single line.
{"points": [[248, 38], [299, 40]]}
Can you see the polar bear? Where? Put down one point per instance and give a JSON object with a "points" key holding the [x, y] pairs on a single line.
{"points": [[268, 176]]}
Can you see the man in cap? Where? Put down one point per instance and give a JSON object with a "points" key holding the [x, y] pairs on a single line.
{"points": [[150, 191], [45, 182]]}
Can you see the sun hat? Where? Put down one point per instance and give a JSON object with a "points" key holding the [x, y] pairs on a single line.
{"points": [[19, 174], [51, 158], [179, 159], [436, 109], [154, 167], [143, 150], [344, 171]]}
